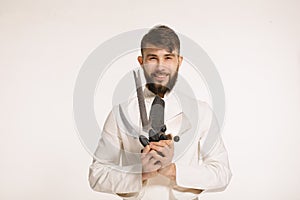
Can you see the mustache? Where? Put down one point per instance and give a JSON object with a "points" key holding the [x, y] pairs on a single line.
{"points": [[160, 74]]}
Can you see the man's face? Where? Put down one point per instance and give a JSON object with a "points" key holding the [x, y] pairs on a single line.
{"points": [[160, 66]]}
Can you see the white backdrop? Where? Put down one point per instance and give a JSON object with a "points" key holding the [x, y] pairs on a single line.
{"points": [[255, 46]]}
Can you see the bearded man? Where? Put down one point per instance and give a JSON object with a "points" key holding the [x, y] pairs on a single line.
{"points": [[164, 170]]}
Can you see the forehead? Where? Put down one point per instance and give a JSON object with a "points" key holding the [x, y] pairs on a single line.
{"points": [[151, 49]]}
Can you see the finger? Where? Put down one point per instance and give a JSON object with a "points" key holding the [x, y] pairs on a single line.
{"points": [[153, 152], [158, 157], [152, 161], [163, 151], [155, 164], [162, 143], [159, 143], [157, 148], [160, 153], [147, 158], [150, 155], [168, 142], [146, 149]]}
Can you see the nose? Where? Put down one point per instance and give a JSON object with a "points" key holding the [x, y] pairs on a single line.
{"points": [[160, 65]]}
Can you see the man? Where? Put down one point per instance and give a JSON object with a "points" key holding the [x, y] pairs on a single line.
{"points": [[165, 169]]}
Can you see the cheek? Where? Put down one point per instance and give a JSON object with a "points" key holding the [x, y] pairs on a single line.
{"points": [[150, 65], [149, 68], [173, 69], [173, 72]]}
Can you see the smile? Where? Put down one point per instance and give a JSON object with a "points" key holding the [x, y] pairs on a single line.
{"points": [[160, 77]]}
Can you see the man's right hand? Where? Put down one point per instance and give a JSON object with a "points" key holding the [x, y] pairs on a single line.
{"points": [[149, 163]]}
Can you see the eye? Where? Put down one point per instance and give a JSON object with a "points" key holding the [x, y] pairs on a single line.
{"points": [[169, 58], [152, 58]]}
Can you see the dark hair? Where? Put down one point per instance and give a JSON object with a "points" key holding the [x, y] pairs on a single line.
{"points": [[163, 37]]}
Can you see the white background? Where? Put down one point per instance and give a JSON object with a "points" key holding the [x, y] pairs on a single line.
{"points": [[255, 46]]}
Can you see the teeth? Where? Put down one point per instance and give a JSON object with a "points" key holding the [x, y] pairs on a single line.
{"points": [[160, 75]]}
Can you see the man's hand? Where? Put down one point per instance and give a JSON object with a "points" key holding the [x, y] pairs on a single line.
{"points": [[157, 158], [165, 149], [169, 171], [149, 163]]}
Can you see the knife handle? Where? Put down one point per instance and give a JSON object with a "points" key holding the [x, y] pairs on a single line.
{"points": [[143, 140]]}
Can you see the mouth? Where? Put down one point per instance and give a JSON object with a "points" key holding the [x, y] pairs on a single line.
{"points": [[160, 77]]}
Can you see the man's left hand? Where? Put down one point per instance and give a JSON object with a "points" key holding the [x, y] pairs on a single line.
{"points": [[165, 156], [165, 149]]}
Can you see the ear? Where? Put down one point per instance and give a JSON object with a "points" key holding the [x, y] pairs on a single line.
{"points": [[180, 59], [140, 59]]}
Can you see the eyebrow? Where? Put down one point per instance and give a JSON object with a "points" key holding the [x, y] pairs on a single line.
{"points": [[168, 54], [148, 55]]}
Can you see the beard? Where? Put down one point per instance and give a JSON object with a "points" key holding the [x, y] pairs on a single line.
{"points": [[160, 89]]}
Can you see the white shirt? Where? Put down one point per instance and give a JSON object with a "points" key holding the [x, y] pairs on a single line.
{"points": [[200, 156]]}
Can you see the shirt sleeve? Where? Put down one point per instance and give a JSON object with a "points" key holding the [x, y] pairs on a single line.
{"points": [[106, 173], [212, 173]]}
